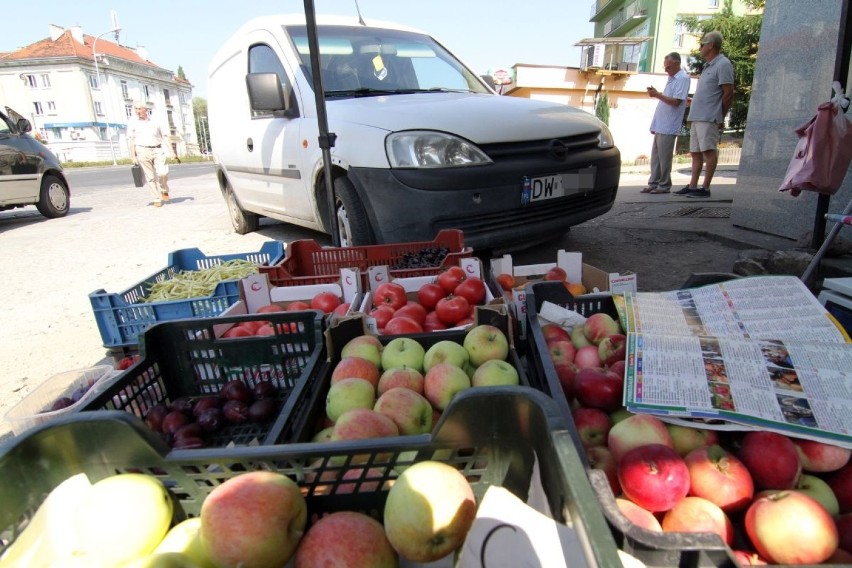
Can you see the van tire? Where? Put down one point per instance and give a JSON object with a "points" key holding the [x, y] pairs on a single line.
{"points": [[243, 221], [54, 199], [352, 222]]}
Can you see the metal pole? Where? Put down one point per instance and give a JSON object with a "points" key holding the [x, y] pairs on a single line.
{"points": [[326, 138], [106, 110]]}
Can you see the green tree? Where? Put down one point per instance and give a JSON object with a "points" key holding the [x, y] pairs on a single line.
{"points": [[199, 108], [741, 35], [602, 108], [180, 72]]}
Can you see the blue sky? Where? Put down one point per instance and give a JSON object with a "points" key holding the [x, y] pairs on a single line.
{"points": [[485, 34]]}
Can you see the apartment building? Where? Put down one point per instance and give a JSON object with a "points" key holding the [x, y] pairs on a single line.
{"points": [[78, 91], [635, 35]]}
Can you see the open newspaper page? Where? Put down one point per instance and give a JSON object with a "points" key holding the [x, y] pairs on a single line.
{"points": [[760, 307], [797, 388]]}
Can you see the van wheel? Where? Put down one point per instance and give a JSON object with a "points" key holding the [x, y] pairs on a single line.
{"points": [[352, 221], [54, 198], [243, 221]]}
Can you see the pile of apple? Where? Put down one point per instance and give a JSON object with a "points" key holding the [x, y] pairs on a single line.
{"points": [[401, 388], [188, 421], [771, 498], [447, 302]]}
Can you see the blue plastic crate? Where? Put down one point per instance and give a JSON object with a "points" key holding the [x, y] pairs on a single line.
{"points": [[122, 317]]}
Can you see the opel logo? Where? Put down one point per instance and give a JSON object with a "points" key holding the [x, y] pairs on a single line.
{"points": [[557, 150]]}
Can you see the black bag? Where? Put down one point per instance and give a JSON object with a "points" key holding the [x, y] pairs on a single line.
{"points": [[138, 176]]}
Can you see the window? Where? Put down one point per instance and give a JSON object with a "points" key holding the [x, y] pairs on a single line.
{"points": [[262, 59], [51, 107], [124, 92], [713, 4], [166, 96], [45, 80], [128, 111], [147, 93], [29, 81], [57, 133], [43, 133], [38, 109], [679, 32], [98, 109], [93, 82]]}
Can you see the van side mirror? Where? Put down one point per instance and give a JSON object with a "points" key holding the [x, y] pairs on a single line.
{"points": [[266, 93], [24, 125]]}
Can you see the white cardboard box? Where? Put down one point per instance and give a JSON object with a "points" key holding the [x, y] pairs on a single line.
{"points": [[595, 280]]}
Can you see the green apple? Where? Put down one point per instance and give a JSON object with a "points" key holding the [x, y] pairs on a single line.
{"points": [[819, 490], [185, 538], [495, 372], [347, 394], [403, 352], [486, 342], [445, 351]]}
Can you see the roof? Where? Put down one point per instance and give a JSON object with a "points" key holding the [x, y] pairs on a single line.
{"points": [[614, 40], [66, 46]]}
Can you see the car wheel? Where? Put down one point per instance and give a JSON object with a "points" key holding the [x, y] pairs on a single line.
{"points": [[54, 198], [243, 221], [352, 221]]}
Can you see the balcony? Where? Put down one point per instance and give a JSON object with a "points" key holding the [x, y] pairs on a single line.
{"points": [[598, 8], [627, 18]]}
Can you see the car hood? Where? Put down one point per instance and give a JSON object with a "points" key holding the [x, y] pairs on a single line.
{"points": [[482, 119]]}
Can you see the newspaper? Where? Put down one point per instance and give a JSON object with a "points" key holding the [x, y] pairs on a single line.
{"points": [[757, 352]]}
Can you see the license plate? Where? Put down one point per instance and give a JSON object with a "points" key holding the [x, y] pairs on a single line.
{"points": [[559, 185]]}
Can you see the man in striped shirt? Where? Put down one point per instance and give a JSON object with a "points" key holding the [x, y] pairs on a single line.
{"points": [[666, 124]]}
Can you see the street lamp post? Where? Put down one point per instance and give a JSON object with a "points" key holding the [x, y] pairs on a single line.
{"points": [[98, 74]]}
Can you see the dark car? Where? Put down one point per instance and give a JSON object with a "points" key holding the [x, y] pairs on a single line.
{"points": [[30, 174]]}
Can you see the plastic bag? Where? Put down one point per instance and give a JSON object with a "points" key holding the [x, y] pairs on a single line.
{"points": [[824, 150]]}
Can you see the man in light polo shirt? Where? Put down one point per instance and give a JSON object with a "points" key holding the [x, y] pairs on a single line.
{"points": [[666, 124], [713, 97], [148, 148]]}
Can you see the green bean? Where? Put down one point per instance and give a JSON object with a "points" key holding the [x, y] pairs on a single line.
{"points": [[198, 283]]}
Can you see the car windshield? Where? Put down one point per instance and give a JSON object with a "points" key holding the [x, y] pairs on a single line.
{"points": [[358, 61]]}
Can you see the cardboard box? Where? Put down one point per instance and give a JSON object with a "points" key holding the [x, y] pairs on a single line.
{"points": [[595, 280]]}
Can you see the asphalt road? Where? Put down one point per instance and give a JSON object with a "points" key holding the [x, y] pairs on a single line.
{"points": [[113, 238]]}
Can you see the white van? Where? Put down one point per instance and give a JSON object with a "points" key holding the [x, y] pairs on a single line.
{"points": [[422, 143]]}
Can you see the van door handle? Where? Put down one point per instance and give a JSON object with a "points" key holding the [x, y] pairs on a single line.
{"points": [[250, 145]]}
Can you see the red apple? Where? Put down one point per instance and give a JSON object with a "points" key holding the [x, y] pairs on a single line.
{"points": [[365, 544], [694, 514], [638, 516], [771, 459], [841, 483], [788, 527], [844, 531], [619, 367], [593, 425], [600, 458], [554, 332], [687, 438], [599, 388], [718, 476], [587, 356], [654, 477], [561, 352], [566, 375], [819, 457], [355, 367], [612, 348], [749, 558], [600, 325]]}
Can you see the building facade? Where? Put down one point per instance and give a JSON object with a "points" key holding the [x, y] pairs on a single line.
{"points": [[636, 35], [78, 90]]}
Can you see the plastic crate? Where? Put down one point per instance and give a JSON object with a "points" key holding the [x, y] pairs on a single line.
{"points": [[309, 263], [312, 411], [122, 317], [499, 437], [34, 409], [652, 548], [184, 358]]}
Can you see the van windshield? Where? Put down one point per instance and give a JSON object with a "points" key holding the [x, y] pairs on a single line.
{"points": [[359, 61]]}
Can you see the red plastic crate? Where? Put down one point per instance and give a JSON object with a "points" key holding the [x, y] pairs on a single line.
{"points": [[306, 262]]}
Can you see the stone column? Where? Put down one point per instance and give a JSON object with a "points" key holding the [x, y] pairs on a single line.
{"points": [[793, 75]]}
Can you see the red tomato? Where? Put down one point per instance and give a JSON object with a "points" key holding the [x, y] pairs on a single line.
{"points": [[390, 293], [452, 309], [126, 362], [237, 331], [383, 314], [432, 323], [506, 281], [466, 321], [265, 329], [325, 302], [429, 294], [412, 310], [450, 278], [269, 308], [252, 326], [341, 309], [298, 306], [556, 273], [473, 290], [402, 324]]}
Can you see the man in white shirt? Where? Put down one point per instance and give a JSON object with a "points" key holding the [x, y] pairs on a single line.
{"points": [[148, 147], [666, 124]]}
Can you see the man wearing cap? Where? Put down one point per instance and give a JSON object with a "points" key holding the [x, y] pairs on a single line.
{"points": [[148, 147], [713, 97]]}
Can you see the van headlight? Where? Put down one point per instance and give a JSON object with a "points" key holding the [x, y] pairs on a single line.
{"points": [[429, 149], [605, 138]]}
